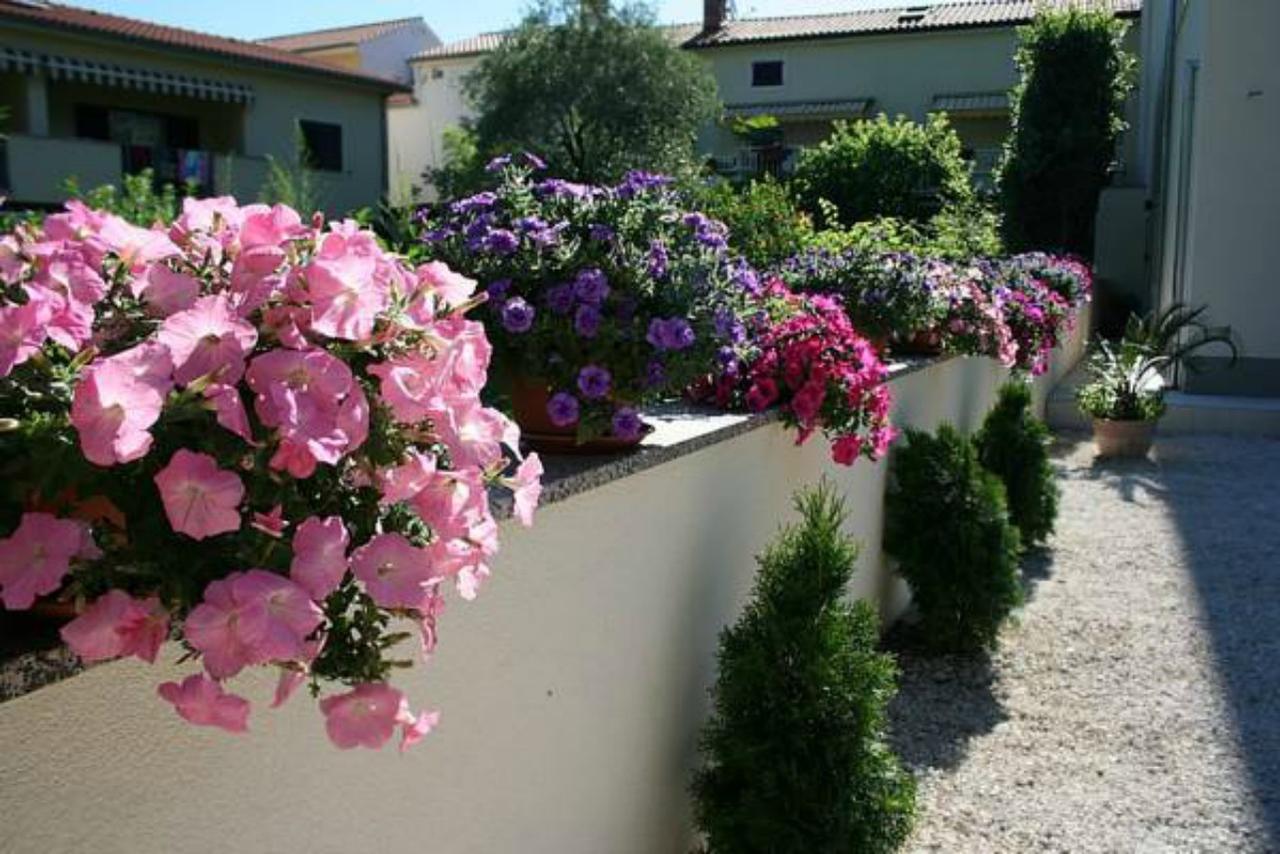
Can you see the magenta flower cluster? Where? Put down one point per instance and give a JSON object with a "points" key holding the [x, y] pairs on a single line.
{"points": [[268, 427]]}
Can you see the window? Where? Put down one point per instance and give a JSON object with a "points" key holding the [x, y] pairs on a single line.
{"points": [[324, 145], [766, 73]]}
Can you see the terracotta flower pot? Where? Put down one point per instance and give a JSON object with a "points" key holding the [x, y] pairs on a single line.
{"points": [[1130, 439], [529, 398], [927, 342]]}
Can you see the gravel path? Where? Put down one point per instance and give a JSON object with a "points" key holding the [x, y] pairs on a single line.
{"points": [[1134, 704]]}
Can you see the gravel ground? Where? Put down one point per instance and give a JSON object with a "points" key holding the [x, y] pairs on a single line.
{"points": [[1134, 704]]}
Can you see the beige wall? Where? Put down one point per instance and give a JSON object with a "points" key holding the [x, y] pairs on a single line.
{"points": [[417, 132], [268, 126], [572, 690]]}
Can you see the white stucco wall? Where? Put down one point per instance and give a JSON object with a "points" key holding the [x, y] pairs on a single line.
{"points": [[572, 689], [417, 131], [388, 54], [268, 126]]}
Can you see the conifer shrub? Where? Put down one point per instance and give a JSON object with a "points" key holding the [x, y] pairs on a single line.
{"points": [[947, 524], [795, 757], [1013, 444]]}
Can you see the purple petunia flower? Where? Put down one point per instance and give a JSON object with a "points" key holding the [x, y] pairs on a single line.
{"points": [[602, 233], [591, 286], [594, 382], [658, 260], [478, 202], [671, 334], [627, 424], [587, 321], [636, 182], [498, 289], [500, 241], [497, 164], [655, 374], [562, 409], [517, 315], [560, 298]]}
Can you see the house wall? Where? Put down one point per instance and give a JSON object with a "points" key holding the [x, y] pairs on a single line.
{"points": [[268, 126], [388, 54], [417, 132], [572, 690], [344, 56]]}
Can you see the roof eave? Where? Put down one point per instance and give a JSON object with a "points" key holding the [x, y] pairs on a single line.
{"points": [[378, 83]]}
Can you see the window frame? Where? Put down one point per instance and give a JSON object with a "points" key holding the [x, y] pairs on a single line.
{"points": [[312, 157], [782, 73]]}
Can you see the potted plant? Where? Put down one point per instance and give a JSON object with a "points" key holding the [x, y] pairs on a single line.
{"points": [[601, 299], [1125, 392], [266, 429]]}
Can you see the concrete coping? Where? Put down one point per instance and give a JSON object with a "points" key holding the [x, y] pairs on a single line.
{"points": [[680, 429]]}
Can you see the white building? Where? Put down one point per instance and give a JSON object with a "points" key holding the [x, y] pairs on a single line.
{"points": [[807, 71], [1209, 165], [383, 49]]}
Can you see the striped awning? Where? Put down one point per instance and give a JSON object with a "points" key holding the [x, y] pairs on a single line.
{"points": [[126, 77], [972, 102], [841, 109]]}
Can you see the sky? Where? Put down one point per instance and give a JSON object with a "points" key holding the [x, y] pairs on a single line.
{"points": [[451, 19]]}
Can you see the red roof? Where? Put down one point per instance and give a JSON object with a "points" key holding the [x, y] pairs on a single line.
{"points": [[338, 36], [116, 26]]}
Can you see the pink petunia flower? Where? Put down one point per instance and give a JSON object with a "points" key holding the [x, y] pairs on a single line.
{"points": [[117, 625], [135, 246], [23, 329], [395, 573], [117, 401], [269, 226], [345, 297], [527, 487], [202, 701], [208, 339], [200, 499], [453, 289], [36, 557], [320, 555], [229, 409], [403, 482], [291, 615], [368, 715], [165, 291]]}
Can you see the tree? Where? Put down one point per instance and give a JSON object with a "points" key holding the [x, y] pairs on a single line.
{"points": [[594, 91], [893, 168], [1068, 113], [795, 755]]}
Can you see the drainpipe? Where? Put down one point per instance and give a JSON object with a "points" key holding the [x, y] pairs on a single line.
{"points": [[1157, 202]]}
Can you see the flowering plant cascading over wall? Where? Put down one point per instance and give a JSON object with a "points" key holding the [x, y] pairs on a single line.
{"points": [[267, 428], [614, 297]]}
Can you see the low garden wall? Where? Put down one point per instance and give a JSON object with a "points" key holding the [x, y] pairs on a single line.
{"points": [[572, 691]]}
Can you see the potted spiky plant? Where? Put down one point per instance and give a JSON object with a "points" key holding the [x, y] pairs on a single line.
{"points": [[1125, 392]]}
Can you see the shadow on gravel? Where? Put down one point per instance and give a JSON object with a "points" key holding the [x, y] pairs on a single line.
{"points": [[943, 703], [1037, 567], [1224, 496]]}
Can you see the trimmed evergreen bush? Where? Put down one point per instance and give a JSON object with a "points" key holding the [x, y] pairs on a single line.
{"points": [[1013, 444], [1067, 114], [893, 168], [947, 525], [795, 755]]}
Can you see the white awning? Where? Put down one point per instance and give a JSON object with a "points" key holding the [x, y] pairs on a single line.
{"points": [[840, 109], [972, 102], [126, 77]]}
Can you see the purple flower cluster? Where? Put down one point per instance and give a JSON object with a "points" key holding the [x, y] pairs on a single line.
{"points": [[672, 333], [517, 315]]}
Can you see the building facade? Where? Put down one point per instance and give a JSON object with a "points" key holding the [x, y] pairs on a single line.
{"points": [[96, 96], [808, 71], [1210, 168]]}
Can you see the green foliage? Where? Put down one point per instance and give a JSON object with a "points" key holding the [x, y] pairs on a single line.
{"points": [[462, 170], [1013, 444], [947, 525], [292, 182], [1068, 113], [958, 232], [795, 756], [893, 168], [765, 225], [594, 91], [1125, 381], [136, 200]]}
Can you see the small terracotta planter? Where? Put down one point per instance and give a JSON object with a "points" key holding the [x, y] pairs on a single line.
{"points": [[923, 343], [1126, 439], [529, 398]]}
